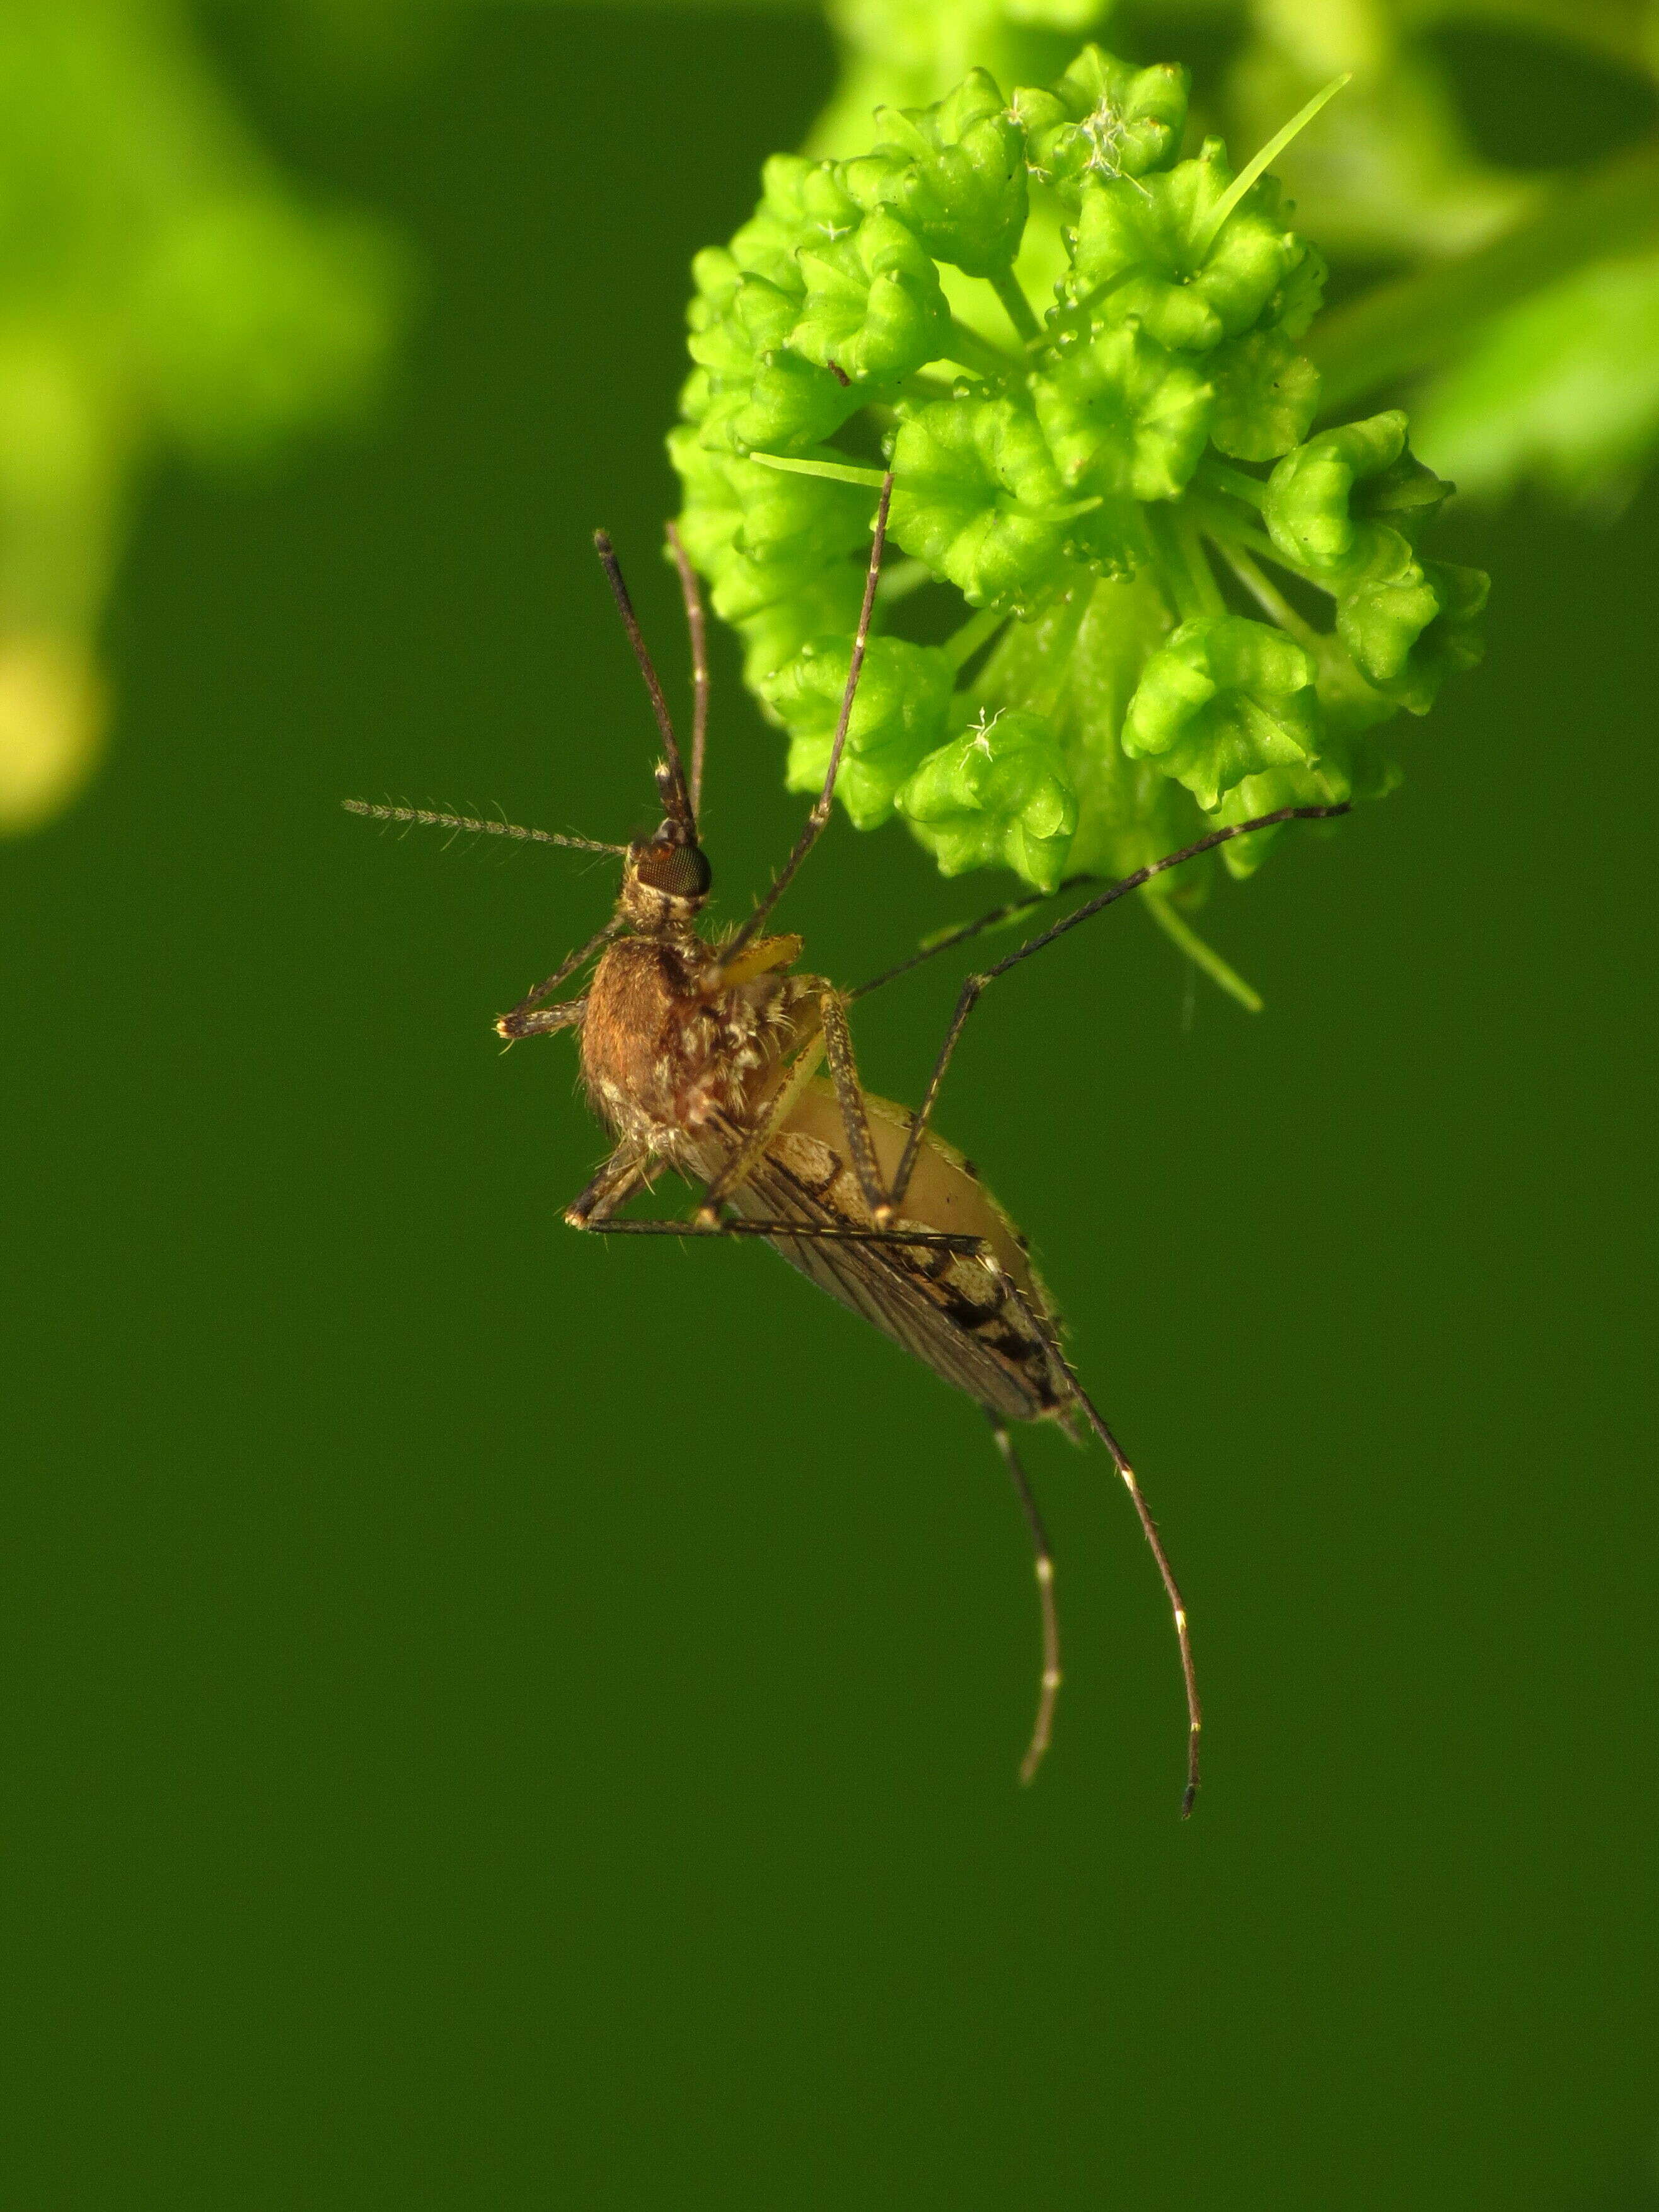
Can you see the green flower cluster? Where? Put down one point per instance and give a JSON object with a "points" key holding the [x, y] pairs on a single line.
{"points": [[1123, 489]]}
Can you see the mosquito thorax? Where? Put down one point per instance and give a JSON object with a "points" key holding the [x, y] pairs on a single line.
{"points": [[666, 879]]}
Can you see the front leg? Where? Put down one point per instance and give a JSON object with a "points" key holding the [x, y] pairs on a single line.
{"points": [[543, 1021]]}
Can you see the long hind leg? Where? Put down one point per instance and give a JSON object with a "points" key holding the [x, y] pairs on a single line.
{"points": [[1043, 1563], [1096, 1421]]}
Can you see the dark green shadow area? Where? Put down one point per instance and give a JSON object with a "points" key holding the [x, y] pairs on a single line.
{"points": [[500, 1721]]}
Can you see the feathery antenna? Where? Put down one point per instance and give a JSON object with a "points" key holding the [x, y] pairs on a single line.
{"points": [[428, 820]]}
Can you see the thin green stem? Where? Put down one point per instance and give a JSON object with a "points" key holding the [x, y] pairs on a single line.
{"points": [[1263, 161], [836, 471], [1006, 286], [1220, 477], [1067, 511], [1208, 592], [979, 629], [972, 351], [899, 579], [1225, 527], [1171, 563], [1268, 595], [1181, 932]]}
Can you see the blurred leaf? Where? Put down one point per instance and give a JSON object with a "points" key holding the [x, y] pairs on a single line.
{"points": [[1564, 388], [159, 287]]}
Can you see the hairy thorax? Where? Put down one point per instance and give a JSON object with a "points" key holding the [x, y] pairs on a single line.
{"points": [[661, 1060]]}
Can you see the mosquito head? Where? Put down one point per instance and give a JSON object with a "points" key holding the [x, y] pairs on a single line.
{"points": [[666, 878]]}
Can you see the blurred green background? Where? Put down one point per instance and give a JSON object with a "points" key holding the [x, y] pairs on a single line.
{"points": [[494, 1719]]}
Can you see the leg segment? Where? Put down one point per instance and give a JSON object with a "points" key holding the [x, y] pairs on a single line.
{"points": [[977, 984], [622, 1174], [565, 1015], [816, 1231], [562, 973], [741, 1165], [1091, 1413], [932, 945], [850, 1096], [1177, 1607], [820, 814], [1049, 1690]]}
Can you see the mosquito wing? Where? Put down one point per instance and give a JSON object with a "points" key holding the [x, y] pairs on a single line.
{"points": [[951, 1312]]}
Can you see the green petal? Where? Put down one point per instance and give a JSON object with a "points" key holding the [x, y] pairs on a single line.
{"points": [[1122, 414], [1326, 785], [734, 505], [1300, 295], [1265, 395], [759, 392], [954, 173], [740, 323], [1328, 501], [816, 605], [802, 203], [1224, 700], [1408, 634], [996, 795], [975, 497], [899, 715], [873, 307], [1103, 118], [1144, 247]]}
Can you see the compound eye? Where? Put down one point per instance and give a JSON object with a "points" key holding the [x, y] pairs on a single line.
{"points": [[679, 870]]}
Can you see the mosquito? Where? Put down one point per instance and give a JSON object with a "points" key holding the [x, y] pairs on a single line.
{"points": [[706, 1054]]}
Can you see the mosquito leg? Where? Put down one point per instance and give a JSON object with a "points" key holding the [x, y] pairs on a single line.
{"points": [[850, 1096], [820, 814], [976, 985], [560, 974], [622, 1174], [1178, 1606], [1048, 1689], [1096, 1421], [741, 1163], [976, 928], [821, 1232], [695, 624], [567, 1014]]}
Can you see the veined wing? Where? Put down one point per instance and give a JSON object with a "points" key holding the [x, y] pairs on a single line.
{"points": [[951, 1313]]}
